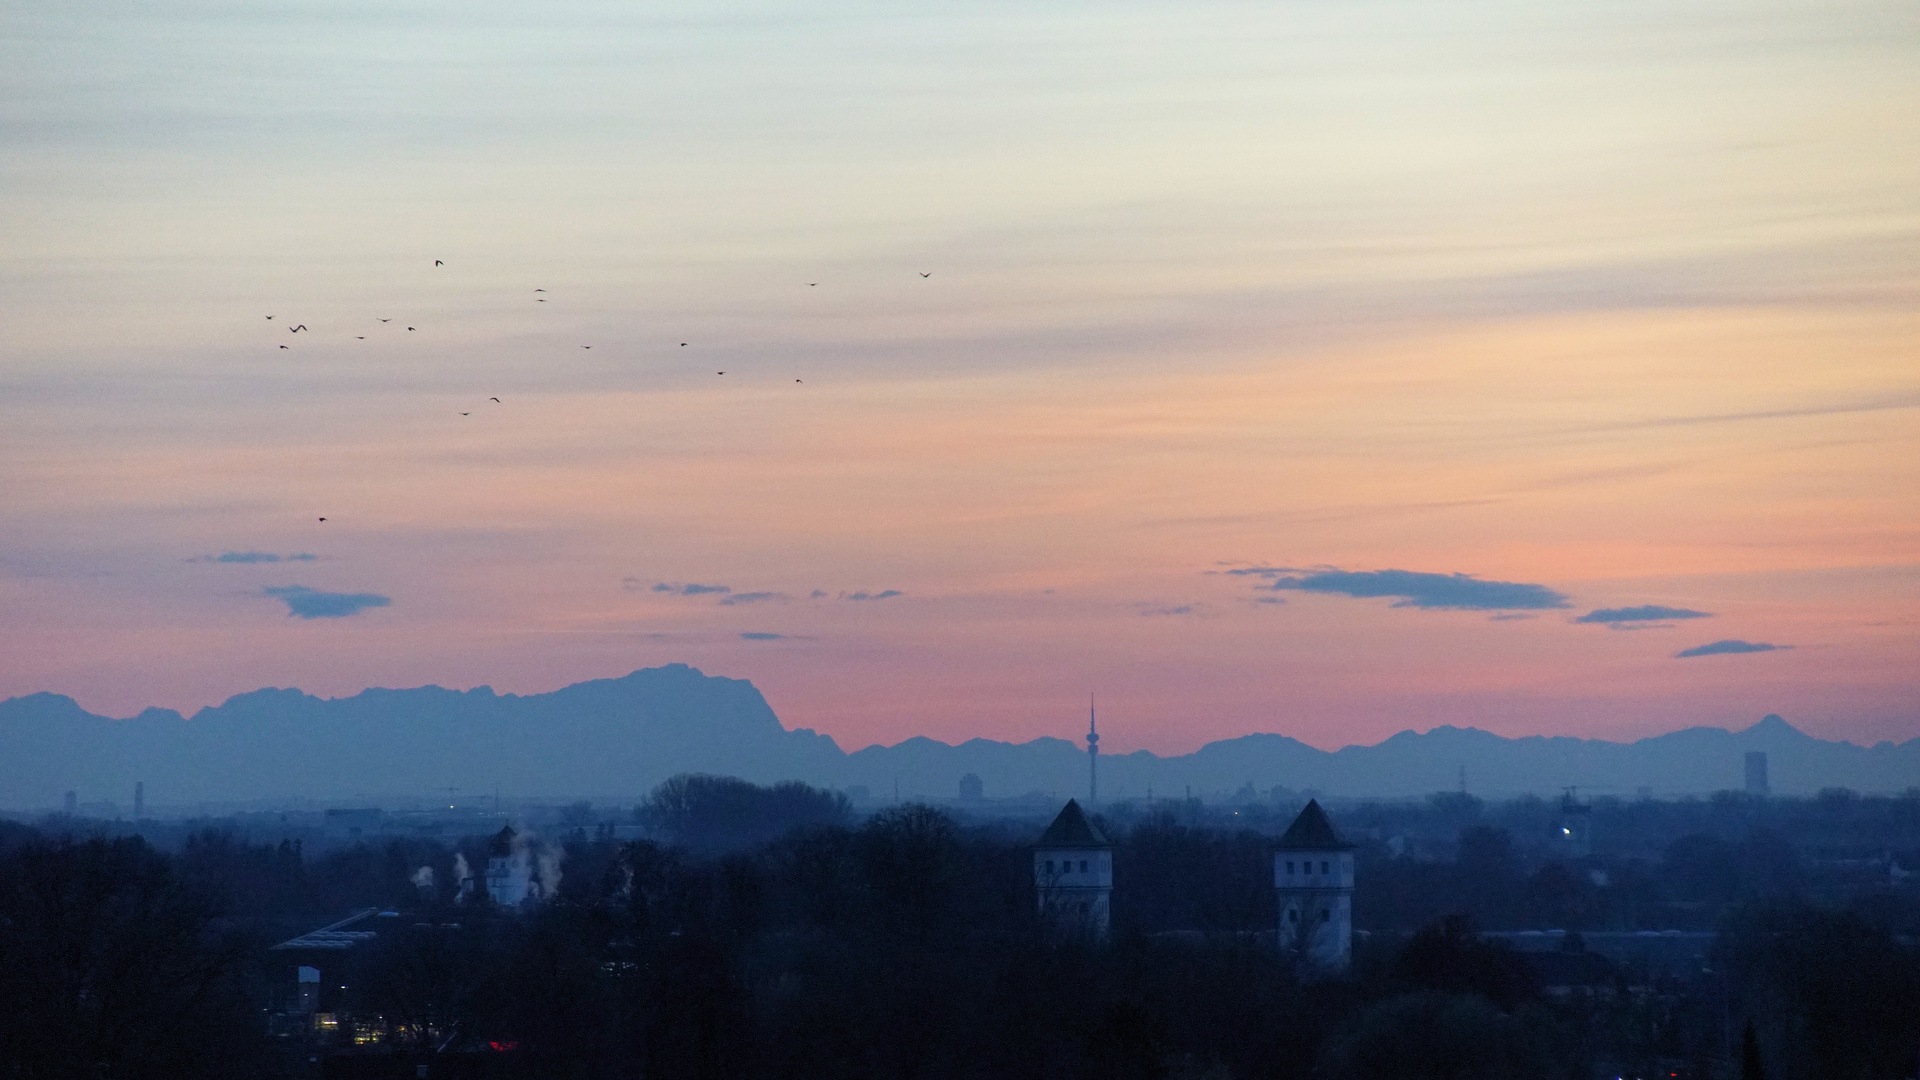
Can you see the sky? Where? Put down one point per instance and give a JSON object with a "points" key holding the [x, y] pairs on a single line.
{"points": [[1324, 368]]}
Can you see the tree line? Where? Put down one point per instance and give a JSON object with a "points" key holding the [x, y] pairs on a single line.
{"points": [[773, 933]]}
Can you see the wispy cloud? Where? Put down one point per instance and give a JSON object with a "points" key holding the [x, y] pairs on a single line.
{"points": [[1164, 609], [1628, 618], [254, 557], [1720, 648], [751, 598], [1891, 402], [754, 635], [314, 604], [883, 595], [1420, 590], [691, 588]]}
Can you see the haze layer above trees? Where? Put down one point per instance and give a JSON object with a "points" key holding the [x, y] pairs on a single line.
{"points": [[620, 737]]}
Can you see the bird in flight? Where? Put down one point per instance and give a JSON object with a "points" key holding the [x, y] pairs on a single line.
{"points": [[437, 262], [286, 346], [719, 373], [811, 284], [796, 380], [539, 290], [926, 275], [495, 400], [539, 299], [683, 344], [466, 414], [269, 318], [297, 329], [359, 337], [323, 519], [382, 320], [586, 346], [409, 327]]}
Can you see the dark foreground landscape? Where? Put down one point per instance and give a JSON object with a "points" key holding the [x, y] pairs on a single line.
{"points": [[756, 932]]}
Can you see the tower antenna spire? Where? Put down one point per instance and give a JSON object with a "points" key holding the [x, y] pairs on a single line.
{"points": [[1093, 755]]}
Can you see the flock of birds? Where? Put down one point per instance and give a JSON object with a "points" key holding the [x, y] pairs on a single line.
{"points": [[302, 328]]}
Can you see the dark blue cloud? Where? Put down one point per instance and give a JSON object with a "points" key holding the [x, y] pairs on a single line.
{"points": [[254, 557], [872, 596], [817, 594], [1643, 614], [690, 589], [1719, 648], [1161, 609], [758, 636], [1441, 591], [314, 604], [1260, 571], [751, 598]]}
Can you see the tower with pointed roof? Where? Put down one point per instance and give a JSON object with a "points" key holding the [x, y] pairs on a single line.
{"points": [[509, 877], [1313, 875], [1073, 874]]}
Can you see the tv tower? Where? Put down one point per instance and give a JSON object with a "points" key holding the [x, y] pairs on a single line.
{"points": [[1093, 756]]}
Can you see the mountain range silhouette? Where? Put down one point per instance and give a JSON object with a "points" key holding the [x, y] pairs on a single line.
{"points": [[616, 738]]}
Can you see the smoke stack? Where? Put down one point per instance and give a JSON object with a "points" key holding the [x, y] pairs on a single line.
{"points": [[139, 800]]}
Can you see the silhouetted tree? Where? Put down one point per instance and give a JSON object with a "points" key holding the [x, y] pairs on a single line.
{"points": [[715, 813], [108, 969], [1831, 994], [1434, 1036], [1449, 956], [1750, 1067]]}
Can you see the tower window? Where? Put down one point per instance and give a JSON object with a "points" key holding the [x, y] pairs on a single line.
{"points": [[1289, 866], [1323, 869], [1083, 866], [1049, 866]]}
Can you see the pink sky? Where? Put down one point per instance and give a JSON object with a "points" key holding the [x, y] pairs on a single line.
{"points": [[1600, 299]]}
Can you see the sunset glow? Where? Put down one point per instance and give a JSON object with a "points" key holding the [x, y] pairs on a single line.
{"points": [[1054, 349]]}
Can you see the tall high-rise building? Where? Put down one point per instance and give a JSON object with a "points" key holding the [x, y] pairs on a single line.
{"points": [[1757, 772]]}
